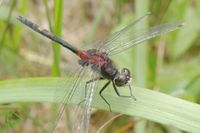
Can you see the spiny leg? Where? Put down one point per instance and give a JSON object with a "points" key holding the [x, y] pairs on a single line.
{"points": [[88, 82], [100, 93], [117, 92]]}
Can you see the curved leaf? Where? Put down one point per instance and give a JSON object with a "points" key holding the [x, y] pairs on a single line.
{"points": [[150, 104]]}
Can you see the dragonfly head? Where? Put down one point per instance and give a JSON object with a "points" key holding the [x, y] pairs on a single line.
{"points": [[123, 77]]}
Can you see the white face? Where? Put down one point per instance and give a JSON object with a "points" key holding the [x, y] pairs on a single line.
{"points": [[123, 78]]}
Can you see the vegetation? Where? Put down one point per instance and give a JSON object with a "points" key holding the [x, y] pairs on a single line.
{"points": [[166, 69]]}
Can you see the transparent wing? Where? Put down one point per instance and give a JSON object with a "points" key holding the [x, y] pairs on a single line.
{"points": [[63, 97], [129, 37], [79, 83], [77, 115], [84, 110], [102, 43]]}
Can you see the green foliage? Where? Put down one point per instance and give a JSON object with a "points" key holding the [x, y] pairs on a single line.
{"points": [[150, 104], [57, 30], [169, 64]]}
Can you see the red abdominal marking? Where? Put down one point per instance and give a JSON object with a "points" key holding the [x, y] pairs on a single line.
{"points": [[82, 54], [93, 57]]}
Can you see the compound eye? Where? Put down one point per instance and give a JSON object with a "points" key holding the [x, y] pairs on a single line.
{"points": [[123, 77], [125, 71]]}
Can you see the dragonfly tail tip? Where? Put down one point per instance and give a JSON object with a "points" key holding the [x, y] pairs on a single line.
{"points": [[19, 18]]}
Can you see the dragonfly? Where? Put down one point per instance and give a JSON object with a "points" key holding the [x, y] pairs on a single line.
{"points": [[100, 66]]}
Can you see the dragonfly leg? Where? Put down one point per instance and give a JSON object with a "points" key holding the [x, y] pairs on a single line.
{"points": [[131, 92], [88, 82], [100, 93], [117, 92]]}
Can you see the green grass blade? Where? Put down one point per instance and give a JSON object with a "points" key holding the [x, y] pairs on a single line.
{"points": [[150, 104], [57, 30], [47, 11], [5, 30], [141, 59]]}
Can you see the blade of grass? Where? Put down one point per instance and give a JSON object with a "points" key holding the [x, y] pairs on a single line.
{"points": [[55, 67], [13, 4], [141, 61], [14, 42], [150, 104], [48, 14], [142, 50], [58, 13]]}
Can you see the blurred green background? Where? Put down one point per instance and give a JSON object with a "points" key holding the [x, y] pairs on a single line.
{"points": [[169, 63]]}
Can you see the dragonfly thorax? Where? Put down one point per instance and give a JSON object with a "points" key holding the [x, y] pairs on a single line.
{"points": [[122, 77]]}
